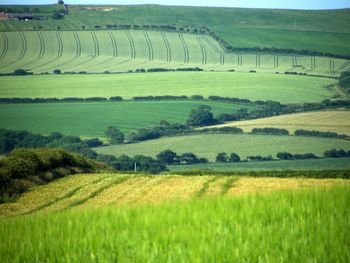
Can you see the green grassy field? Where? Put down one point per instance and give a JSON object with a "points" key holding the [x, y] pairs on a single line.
{"points": [[240, 27], [208, 145], [278, 87], [93, 118], [333, 121], [121, 51], [291, 165], [286, 226]]}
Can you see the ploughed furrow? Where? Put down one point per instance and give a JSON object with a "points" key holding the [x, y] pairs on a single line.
{"points": [[205, 186], [23, 50], [312, 64], [41, 50], [203, 50], [227, 185], [6, 45], [117, 194], [64, 197], [92, 194], [149, 45], [333, 70], [167, 47], [59, 52], [114, 44], [275, 61], [24, 46], [96, 46], [60, 45], [215, 48], [343, 67], [78, 45], [132, 45], [257, 61], [184, 45], [168, 188], [240, 60], [77, 52]]}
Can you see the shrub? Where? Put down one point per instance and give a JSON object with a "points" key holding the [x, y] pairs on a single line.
{"points": [[221, 158], [57, 71], [115, 135], [234, 157], [167, 157], [201, 116]]}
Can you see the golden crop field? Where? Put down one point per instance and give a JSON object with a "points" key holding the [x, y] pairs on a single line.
{"points": [[96, 190], [333, 121]]}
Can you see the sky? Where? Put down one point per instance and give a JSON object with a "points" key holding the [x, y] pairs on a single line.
{"points": [[282, 4]]}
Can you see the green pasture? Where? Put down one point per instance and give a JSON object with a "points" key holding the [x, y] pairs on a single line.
{"points": [[90, 119], [298, 29], [208, 145], [289, 165], [277, 87], [293, 226], [123, 50]]}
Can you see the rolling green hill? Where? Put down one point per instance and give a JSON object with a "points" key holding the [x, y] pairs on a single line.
{"points": [[124, 50], [309, 30], [278, 87], [208, 145], [333, 121], [90, 119]]}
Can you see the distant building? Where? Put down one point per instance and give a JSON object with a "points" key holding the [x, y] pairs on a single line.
{"points": [[22, 17], [3, 16]]}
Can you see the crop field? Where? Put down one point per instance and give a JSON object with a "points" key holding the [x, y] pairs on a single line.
{"points": [[121, 51], [277, 87], [293, 226], [333, 121], [285, 165], [208, 145], [101, 190], [92, 118], [298, 29]]}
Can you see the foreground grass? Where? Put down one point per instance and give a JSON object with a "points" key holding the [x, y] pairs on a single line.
{"points": [[303, 226], [93, 118], [277, 87], [208, 145], [292, 165], [333, 121]]}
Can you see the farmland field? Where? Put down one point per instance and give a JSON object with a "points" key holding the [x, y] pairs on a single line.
{"points": [[121, 51], [288, 165], [208, 145], [333, 121], [278, 87], [100, 190], [294, 226], [240, 27], [92, 118]]}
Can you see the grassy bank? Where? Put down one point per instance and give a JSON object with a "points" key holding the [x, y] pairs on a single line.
{"points": [[291, 226]]}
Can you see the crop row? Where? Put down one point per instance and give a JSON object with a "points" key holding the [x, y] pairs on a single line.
{"points": [[116, 51]]}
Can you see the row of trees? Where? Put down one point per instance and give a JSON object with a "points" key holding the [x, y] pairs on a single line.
{"points": [[169, 157]]}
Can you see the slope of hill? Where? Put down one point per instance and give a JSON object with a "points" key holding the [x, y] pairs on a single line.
{"points": [[300, 30], [125, 50], [100, 190], [208, 145], [92, 118], [333, 121]]}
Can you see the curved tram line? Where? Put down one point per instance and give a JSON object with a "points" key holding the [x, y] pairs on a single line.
{"points": [[149, 45], [184, 45]]}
